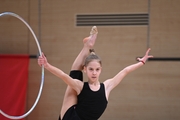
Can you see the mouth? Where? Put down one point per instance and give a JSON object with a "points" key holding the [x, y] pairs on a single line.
{"points": [[94, 77]]}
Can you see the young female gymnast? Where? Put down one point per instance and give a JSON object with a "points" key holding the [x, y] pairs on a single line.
{"points": [[87, 100]]}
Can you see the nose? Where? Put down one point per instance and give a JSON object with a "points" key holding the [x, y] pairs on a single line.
{"points": [[94, 72]]}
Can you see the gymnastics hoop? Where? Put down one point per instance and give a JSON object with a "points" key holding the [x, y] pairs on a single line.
{"points": [[42, 74]]}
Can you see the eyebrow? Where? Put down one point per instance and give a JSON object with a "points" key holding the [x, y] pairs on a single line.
{"points": [[94, 68]]}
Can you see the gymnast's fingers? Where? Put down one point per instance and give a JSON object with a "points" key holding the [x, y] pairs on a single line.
{"points": [[43, 55], [147, 52], [39, 62]]}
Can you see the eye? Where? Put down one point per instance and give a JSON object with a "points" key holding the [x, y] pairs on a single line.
{"points": [[90, 69]]}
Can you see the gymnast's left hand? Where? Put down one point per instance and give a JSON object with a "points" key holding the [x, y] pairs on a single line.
{"points": [[146, 56], [42, 60]]}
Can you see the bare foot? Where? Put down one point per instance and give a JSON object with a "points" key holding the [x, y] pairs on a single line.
{"points": [[94, 30], [90, 41]]}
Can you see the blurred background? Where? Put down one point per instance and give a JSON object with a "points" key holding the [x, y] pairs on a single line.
{"points": [[126, 29]]}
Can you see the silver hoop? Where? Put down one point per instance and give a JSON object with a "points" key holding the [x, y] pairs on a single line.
{"points": [[42, 74]]}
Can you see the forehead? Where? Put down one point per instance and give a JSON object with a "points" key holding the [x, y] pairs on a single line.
{"points": [[94, 63]]}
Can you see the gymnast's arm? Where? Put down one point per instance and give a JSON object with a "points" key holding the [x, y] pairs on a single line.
{"points": [[112, 83], [75, 84]]}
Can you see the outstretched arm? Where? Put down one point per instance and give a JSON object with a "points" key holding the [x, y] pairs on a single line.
{"points": [[111, 83], [75, 84]]}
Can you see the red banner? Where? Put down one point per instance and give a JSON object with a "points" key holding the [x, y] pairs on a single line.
{"points": [[13, 84]]}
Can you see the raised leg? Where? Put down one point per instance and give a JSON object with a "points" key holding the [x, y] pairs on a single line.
{"points": [[70, 97]]}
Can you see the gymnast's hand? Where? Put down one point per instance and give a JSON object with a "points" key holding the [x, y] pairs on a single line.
{"points": [[42, 60], [146, 56]]}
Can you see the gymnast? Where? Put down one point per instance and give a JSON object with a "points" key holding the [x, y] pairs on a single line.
{"points": [[87, 100]]}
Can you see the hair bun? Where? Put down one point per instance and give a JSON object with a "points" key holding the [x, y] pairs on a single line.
{"points": [[92, 51]]}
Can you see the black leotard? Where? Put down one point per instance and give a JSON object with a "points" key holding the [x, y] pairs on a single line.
{"points": [[91, 104]]}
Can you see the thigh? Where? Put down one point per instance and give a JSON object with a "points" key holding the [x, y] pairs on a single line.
{"points": [[71, 114], [70, 97]]}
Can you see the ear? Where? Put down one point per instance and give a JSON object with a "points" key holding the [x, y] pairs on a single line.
{"points": [[84, 69]]}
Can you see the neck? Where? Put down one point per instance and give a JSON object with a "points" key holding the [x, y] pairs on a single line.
{"points": [[94, 83]]}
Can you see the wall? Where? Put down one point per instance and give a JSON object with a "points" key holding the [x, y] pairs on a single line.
{"points": [[151, 92]]}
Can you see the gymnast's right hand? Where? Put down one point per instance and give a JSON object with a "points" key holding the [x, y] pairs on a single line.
{"points": [[42, 60]]}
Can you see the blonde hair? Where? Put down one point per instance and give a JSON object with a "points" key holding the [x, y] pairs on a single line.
{"points": [[92, 56]]}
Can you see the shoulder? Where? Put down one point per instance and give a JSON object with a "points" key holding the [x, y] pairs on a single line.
{"points": [[85, 85], [108, 87], [107, 83], [102, 84]]}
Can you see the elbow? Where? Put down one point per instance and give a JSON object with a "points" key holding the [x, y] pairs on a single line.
{"points": [[127, 70]]}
